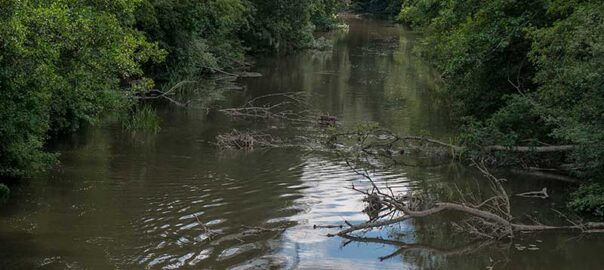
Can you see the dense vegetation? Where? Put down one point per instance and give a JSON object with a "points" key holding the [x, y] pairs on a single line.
{"points": [[384, 8], [522, 73], [65, 63], [62, 63]]}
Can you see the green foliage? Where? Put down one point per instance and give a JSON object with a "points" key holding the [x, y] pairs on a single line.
{"points": [[589, 198], [323, 14], [388, 8], [280, 25], [63, 63], [4, 192], [200, 37], [569, 56], [522, 73], [479, 47], [518, 122], [217, 33]]}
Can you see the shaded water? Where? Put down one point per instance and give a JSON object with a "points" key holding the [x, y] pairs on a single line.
{"points": [[136, 201]]}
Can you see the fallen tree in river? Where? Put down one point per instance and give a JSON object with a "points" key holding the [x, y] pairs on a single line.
{"points": [[458, 148], [373, 142], [490, 218]]}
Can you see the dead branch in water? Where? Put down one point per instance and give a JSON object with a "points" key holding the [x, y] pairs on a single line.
{"points": [[245, 140], [166, 95], [535, 194], [492, 148], [209, 232], [404, 247], [290, 109], [490, 218], [376, 146], [388, 135], [258, 229]]}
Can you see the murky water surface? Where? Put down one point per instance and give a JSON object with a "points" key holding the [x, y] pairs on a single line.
{"points": [[138, 201]]}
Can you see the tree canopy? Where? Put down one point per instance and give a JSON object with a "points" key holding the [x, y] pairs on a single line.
{"points": [[521, 73], [518, 73], [68, 62]]}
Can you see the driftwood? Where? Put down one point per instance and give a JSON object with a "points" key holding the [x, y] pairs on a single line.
{"points": [[258, 229], [537, 149], [535, 194], [327, 226], [289, 109], [247, 140], [457, 148], [520, 149], [490, 218], [384, 143], [209, 232], [378, 146]]}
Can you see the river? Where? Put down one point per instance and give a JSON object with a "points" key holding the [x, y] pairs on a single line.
{"points": [[135, 201]]}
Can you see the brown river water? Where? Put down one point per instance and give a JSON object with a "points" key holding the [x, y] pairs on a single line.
{"points": [[135, 201]]}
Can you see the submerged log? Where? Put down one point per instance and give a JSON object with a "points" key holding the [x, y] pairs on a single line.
{"points": [[535, 194]]}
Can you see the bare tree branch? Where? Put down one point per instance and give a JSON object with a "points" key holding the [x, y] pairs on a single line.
{"points": [[490, 218]]}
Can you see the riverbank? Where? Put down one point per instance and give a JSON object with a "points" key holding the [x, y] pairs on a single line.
{"points": [[68, 65], [174, 200]]}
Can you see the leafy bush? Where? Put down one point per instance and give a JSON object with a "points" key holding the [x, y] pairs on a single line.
{"points": [[379, 7], [523, 73], [588, 198], [279, 25], [199, 37], [569, 57], [63, 64], [323, 14], [4, 192], [218, 33]]}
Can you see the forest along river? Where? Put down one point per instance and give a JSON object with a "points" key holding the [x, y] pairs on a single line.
{"points": [[136, 201]]}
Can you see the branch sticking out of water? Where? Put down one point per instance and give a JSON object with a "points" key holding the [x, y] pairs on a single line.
{"points": [[490, 218], [157, 94], [247, 140], [291, 109]]}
